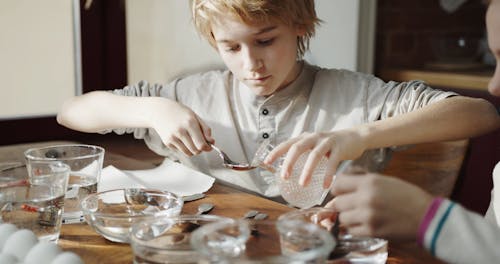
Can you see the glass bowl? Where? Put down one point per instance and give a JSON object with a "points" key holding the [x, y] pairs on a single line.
{"points": [[112, 213], [349, 249], [167, 239], [246, 241]]}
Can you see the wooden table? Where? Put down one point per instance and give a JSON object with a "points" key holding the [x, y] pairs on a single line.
{"points": [[93, 248]]}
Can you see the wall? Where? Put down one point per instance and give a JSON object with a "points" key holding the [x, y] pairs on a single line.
{"points": [[37, 65], [163, 44], [336, 41]]}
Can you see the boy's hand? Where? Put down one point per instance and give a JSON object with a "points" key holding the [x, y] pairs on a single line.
{"points": [[335, 146], [379, 206], [181, 129]]}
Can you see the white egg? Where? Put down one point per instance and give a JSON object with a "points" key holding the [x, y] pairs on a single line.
{"points": [[8, 259], [67, 258], [19, 243], [5, 231], [42, 253]]}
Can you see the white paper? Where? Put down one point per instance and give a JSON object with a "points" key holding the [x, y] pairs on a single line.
{"points": [[169, 176]]}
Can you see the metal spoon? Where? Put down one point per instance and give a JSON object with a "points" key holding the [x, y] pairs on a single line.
{"points": [[250, 214], [260, 216], [228, 163], [204, 208]]}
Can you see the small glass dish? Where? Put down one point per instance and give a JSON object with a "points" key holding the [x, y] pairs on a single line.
{"points": [[251, 241], [349, 249], [167, 239], [112, 213]]}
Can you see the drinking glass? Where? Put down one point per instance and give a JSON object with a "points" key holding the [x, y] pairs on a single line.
{"points": [[35, 202], [85, 162]]}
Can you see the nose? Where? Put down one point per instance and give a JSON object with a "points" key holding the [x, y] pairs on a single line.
{"points": [[252, 60], [494, 84]]}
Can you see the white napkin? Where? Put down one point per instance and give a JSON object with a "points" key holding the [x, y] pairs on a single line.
{"points": [[169, 176]]}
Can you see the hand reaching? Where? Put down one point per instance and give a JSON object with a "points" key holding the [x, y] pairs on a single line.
{"points": [[379, 206], [335, 146]]}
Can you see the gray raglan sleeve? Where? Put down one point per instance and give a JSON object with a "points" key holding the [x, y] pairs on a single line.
{"points": [[149, 135], [392, 98]]}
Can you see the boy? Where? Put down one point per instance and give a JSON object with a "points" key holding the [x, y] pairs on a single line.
{"points": [[377, 205], [269, 92]]}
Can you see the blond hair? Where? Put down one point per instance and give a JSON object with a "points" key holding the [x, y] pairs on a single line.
{"points": [[299, 14]]}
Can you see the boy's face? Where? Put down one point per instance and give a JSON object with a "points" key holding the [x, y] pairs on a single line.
{"points": [[262, 56], [493, 25]]}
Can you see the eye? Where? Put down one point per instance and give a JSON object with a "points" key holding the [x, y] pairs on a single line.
{"points": [[265, 42], [232, 48]]}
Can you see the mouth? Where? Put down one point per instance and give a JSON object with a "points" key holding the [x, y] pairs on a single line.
{"points": [[259, 80]]}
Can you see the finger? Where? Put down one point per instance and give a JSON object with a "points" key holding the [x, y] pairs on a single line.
{"points": [[354, 170], [187, 140], [312, 162], [198, 135], [176, 144], [351, 218], [326, 217], [314, 158], [327, 223], [345, 184], [343, 202], [359, 230], [331, 168], [294, 153], [279, 151]]}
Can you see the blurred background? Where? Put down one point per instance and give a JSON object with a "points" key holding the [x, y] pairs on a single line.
{"points": [[54, 49]]}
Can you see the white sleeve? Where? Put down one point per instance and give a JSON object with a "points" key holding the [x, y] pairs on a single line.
{"points": [[457, 235]]}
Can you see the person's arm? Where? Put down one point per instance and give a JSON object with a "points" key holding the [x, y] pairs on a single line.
{"points": [[178, 126], [449, 119], [453, 118], [381, 206], [457, 235]]}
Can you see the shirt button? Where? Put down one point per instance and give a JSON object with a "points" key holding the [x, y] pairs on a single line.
{"points": [[265, 135], [265, 112]]}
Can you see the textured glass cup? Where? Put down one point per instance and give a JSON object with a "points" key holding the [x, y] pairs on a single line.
{"points": [[35, 202], [349, 249], [294, 193], [167, 239], [85, 162], [242, 241]]}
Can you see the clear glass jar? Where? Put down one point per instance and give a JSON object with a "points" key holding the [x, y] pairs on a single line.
{"points": [[294, 193]]}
